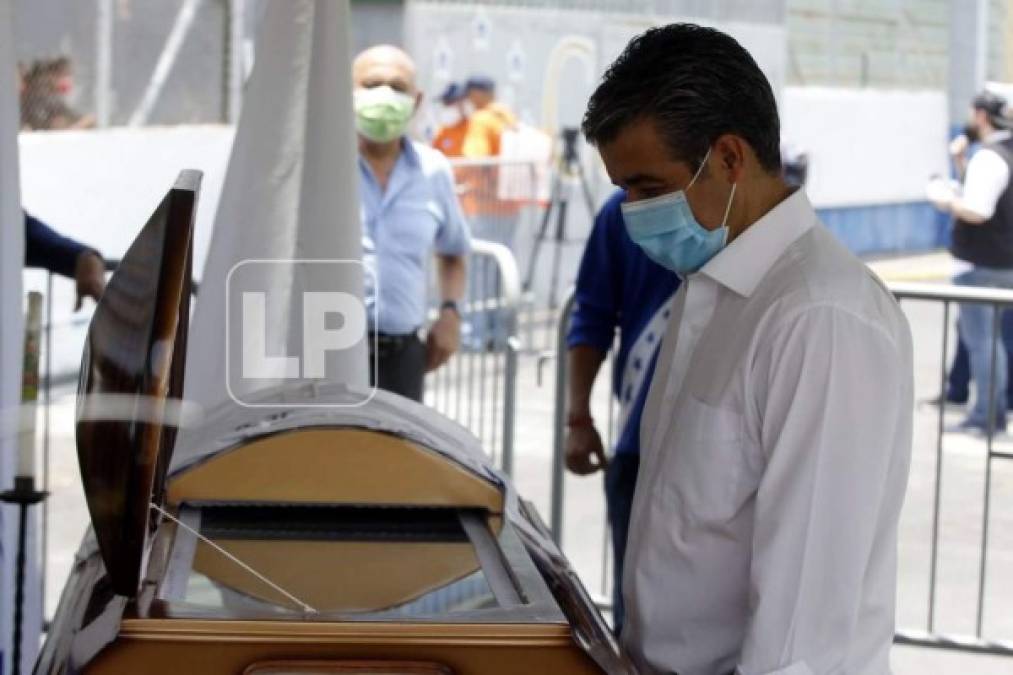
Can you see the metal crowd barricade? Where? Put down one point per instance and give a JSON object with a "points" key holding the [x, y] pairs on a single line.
{"points": [[503, 200], [602, 595], [998, 300], [477, 386], [930, 636]]}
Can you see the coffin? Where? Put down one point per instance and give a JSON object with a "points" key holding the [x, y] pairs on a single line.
{"points": [[292, 540]]}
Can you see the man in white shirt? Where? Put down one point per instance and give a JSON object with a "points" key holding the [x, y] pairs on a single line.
{"points": [[983, 237], [777, 434]]}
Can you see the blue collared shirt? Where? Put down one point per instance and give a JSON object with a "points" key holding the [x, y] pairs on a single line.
{"points": [[618, 286], [418, 215]]}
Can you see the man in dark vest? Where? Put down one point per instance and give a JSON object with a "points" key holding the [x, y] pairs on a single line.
{"points": [[983, 237]]}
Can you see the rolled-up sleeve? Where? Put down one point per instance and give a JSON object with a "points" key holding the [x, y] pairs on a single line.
{"points": [[986, 180], [599, 286], [827, 504], [453, 236], [46, 248]]}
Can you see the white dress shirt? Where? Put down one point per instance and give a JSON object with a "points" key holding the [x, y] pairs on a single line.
{"points": [[987, 177], [776, 443]]}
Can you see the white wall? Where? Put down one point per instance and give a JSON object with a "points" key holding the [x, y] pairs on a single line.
{"points": [[867, 146], [100, 187]]}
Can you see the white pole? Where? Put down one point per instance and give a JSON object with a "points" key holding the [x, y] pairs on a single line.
{"points": [[166, 60], [968, 49], [981, 46], [103, 62], [234, 91]]}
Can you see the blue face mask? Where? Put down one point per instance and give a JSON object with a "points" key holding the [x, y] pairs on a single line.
{"points": [[665, 228]]}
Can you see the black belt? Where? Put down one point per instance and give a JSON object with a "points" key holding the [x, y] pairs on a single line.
{"points": [[392, 341]]}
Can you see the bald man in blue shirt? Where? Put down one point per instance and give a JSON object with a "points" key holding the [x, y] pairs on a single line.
{"points": [[410, 213]]}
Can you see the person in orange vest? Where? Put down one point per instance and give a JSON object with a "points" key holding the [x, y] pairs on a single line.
{"points": [[490, 119], [453, 119]]}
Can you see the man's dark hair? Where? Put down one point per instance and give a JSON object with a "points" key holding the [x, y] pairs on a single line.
{"points": [[696, 83], [994, 106], [481, 83]]}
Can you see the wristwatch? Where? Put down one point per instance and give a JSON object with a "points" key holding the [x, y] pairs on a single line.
{"points": [[451, 305]]}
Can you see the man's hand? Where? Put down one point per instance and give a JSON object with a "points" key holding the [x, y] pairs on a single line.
{"points": [[90, 277], [959, 146], [443, 340], [585, 453], [941, 193]]}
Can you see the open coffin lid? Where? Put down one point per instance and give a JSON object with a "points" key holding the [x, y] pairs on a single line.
{"points": [[129, 403], [131, 383]]}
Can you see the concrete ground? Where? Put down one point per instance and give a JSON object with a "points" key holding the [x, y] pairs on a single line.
{"points": [[961, 502]]}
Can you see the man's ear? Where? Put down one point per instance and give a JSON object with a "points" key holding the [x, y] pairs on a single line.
{"points": [[731, 152], [418, 101]]}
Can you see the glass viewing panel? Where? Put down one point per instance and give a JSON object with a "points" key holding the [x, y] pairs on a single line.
{"points": [[394, 561]]}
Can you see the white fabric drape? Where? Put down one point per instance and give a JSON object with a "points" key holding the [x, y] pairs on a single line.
{"points": [[290, 193]]}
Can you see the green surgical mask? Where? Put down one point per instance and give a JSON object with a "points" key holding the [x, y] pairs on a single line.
{"points": [[381, 113]]}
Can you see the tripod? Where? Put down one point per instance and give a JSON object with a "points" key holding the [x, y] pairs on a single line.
{"points": [[568, 171]]}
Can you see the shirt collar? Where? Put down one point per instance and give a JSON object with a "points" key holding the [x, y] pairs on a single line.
{"points": [[409, 153], [742, 264], [998, 136]]}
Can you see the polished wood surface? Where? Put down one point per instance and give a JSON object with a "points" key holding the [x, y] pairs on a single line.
{"points": [[133, 361], [298, 667], [159, 647], [334, 466]]}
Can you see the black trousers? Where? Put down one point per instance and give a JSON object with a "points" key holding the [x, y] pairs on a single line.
{"points": [[400, 364]]}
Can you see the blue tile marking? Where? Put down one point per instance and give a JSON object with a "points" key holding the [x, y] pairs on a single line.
{"points": [[888, 228]]}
